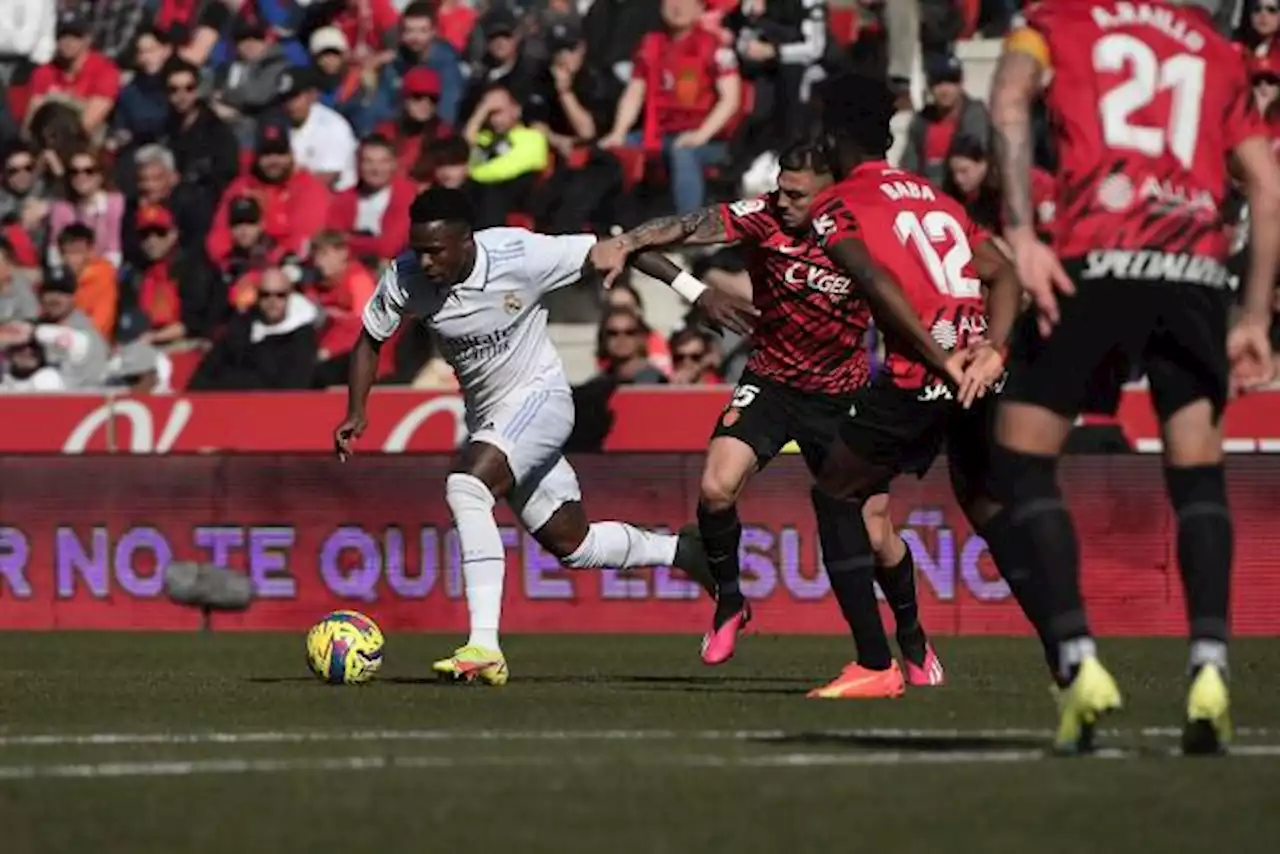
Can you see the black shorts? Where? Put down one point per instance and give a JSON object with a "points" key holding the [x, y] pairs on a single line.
{"points": [[1113, 330], [766, 415], [904, 430]]}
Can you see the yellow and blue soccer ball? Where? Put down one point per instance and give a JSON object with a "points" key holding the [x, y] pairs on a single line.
{"points": [[345, 648]]}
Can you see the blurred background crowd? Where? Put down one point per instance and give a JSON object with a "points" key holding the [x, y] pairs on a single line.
{"points": [[200, 193]]}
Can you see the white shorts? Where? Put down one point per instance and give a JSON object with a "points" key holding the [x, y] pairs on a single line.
{"points": [[531, 428]]}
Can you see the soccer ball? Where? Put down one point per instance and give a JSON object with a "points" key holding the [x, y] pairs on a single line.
{"points": [[345, 648]]}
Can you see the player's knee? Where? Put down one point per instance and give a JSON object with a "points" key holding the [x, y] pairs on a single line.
{"points": [[1018, 478], [718, 492], [466, 493], [1197, 489]]}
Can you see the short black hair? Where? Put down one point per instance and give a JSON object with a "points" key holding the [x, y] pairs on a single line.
{"points": [[449, 151], [857, 109], [177, 65], [442, 204], [806, 155], [76, 232], [419, 9], [377, 140]]}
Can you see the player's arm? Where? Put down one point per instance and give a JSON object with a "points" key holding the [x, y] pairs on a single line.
{"points": [[1018, 78], [1004, 291], [888, 303], [1262, 185], [722, 307], [380, 320], [700, 228]]}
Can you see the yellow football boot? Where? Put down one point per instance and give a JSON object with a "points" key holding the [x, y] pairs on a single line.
{"points": [[1092, 694], [473, 664], [1208, 727]]}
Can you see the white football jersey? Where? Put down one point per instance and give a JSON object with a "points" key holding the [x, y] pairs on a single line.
{"points": [[492, 327]]}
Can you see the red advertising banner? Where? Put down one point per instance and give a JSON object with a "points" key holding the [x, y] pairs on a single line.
{"points": [[82, 542], [649, 419]]}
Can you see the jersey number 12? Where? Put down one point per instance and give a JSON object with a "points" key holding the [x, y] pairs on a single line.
{"points": [[946, 271], [1182, 75]]}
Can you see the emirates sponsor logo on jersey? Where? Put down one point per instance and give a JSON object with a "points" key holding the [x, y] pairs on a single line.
{"points": [[802, 274], [1149, 265]]}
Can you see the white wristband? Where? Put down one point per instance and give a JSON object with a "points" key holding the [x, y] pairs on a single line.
{"points": [[688, 287]]}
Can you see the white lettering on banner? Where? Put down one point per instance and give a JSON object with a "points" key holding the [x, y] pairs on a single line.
{"points": [[400, 435], [141, 427], [818, 279], [1149, 265]]}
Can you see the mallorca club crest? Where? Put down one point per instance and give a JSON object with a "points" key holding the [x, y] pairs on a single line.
{"points": [[511, 303]]}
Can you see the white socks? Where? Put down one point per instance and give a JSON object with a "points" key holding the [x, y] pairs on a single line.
{"points": [[483, 556], [617, 545]]}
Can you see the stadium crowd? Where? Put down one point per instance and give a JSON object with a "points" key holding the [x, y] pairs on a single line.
{"points": [[199, 193]]}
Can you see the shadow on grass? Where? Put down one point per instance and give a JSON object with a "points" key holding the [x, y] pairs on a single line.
{"points": [[923, 743]]}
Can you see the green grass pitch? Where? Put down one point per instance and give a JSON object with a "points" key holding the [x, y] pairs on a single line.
{"points": [[604, 744]]}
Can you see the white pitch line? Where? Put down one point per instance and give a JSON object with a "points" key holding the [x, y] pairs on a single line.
{"points": [[238, 766], [60, 739]]}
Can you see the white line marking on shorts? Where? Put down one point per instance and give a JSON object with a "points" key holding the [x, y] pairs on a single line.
{"points": [[242, 766], [107, 739]]}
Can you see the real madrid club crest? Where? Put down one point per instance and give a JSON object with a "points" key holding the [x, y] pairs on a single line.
{"points": [[512, 304]]}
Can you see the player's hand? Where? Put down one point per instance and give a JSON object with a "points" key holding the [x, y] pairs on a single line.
{"points": [[1042, 276], [984, 370], [609, 258], [724, 310], [351, 428], [1249, 349]]}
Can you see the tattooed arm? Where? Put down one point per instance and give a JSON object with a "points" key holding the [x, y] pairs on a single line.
{"points": [[1017, 79], [700, 228]]}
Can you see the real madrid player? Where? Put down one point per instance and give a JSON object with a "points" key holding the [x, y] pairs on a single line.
{"points": [[480, 292]]}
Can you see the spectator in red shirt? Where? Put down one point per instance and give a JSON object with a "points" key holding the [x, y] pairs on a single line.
{"points": [[178, 294], [1263, 27], [78, 75], [374, 214], [686, 86], [294, 203], [341, 289], [973, 182], [371, 28], [418, 121], [456, 19], [950, 113], [252, 251], [693, 358]]}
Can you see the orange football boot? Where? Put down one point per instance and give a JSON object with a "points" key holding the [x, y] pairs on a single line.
{"points": [[856, 682]]}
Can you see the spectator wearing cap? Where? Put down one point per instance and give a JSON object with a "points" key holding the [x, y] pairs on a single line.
{"points": [[293, 202], [142, 111], [1264, 76], [341, 288], [158, 185], [571, 105], [252, 251], [194, 27], [97, 285], [950, 112], [685, 91], [177, 294], [507, 157], [78, 75], [34, 354], [90, 202], [81, 358], [271, 347], [17, 289], [341, 83], [503, 63], [418, 122], [250, 85], [205, 150], [374, 215], [322, 140], [421, 50]]}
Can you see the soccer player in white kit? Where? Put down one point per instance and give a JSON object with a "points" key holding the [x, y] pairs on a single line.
{"points": [[480, 292]]}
